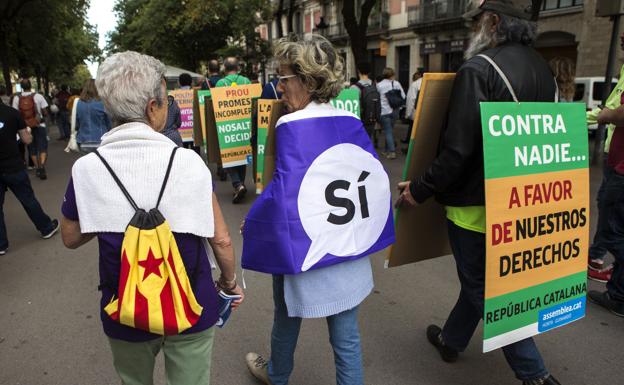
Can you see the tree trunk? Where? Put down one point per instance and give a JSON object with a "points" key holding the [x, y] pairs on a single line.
{"points": [[4, 54], [357, 29], [278, 17], [291, 14], [46, 85], [6, 72]]}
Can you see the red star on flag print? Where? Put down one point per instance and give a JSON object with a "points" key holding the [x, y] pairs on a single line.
{"points": [[151, 265]]}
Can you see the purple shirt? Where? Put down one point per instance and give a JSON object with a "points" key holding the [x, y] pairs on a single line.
{"points": [[195, 261]]}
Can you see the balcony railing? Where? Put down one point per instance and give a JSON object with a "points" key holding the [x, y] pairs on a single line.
{"points": [[379, 22], [436, 11], [334, 31]]}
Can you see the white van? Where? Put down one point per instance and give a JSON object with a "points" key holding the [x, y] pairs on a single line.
{"points": [[589, 90]]}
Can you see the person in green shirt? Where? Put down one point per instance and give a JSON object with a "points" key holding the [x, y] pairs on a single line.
{"points": [[233, 78], [598, 250]]}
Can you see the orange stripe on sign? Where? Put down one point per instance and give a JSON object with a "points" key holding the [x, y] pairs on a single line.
{"points": [[170, 320], [191, 316], [141, 312]]}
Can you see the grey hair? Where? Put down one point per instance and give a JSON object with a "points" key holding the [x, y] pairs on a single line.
{"points": [[508, 30], [126, 82], [316, 62]]}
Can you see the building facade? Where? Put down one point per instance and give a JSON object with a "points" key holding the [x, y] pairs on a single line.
{"points": [[408, 34]]}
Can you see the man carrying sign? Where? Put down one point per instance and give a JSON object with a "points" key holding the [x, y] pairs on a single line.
{"points": [[237, 173], [503, 29]]}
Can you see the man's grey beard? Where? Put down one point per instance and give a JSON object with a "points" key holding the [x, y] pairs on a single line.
{"points": [[480, 41]]}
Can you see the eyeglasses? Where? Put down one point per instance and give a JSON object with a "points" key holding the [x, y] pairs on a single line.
{"points": [[284, 79]]}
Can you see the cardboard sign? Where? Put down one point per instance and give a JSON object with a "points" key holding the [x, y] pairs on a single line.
{"points": [[212, 140], [232, 110], [184, 98], [199, 114], [537, 218], [348, 100], [421, 231], [269, 111]]}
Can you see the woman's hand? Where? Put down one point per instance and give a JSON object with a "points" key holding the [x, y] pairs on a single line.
{"points": [[231, 289]]}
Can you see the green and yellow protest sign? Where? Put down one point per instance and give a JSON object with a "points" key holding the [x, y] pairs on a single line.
{"points": [[232, 109], [537, 218], [348, 100], [264, 114], [184, 98], [200, 112]]}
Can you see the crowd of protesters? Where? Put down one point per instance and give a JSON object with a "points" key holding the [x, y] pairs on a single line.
{"points": [[126, 127]]}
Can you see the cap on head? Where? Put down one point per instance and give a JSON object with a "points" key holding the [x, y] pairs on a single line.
{"points": [[522, 9]]}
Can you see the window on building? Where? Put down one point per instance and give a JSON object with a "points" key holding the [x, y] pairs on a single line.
{"points": [[556, 4], [579, 93], [598, 90]]}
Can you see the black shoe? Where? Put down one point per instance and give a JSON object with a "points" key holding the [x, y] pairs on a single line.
{"points": [[434, 335], [55, 228], [604, 299], [550, 380], [239, 194], [221, 173], [42, 174]]}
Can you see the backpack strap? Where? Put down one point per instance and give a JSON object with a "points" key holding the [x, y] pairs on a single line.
{"points": [[164, 184], [274, 90], [121, 186], [502, 75]]}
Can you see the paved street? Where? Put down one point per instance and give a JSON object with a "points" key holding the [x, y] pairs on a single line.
{"points": [[50, 331]]}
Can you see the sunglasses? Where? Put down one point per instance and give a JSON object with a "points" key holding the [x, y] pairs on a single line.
{"points": [[284, 79]]}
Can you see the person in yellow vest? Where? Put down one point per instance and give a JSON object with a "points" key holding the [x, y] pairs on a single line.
{"points": [[503, 31], [597, 251], [234, 78]]}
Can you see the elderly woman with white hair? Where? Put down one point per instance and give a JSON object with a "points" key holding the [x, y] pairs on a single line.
{"points": [[314, 240], [136, 168]]}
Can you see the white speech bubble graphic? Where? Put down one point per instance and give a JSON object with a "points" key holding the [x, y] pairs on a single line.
{"points": [[343, 203]]}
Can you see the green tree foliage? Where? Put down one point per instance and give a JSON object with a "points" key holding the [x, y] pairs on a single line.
{"points": [[45, 39], [187, 33], [77, 78]]}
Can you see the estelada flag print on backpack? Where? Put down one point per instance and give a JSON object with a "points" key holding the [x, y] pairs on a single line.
{"points": [[154, 292]]}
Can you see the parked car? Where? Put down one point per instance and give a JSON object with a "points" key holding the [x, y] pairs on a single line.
{"points": [[589, 90]]}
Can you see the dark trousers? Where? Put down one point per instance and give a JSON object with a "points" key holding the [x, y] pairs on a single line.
{"points": [[19, 184], [237, 175], [598, 249], [469, 251], [613, 232], [64, 124]]}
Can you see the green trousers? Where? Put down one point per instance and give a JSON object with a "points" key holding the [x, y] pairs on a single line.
{"points": [[187, 359]]}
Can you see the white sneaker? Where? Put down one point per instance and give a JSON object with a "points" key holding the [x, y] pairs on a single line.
{"points": [[391, 155], [258, 367], [55, 227], [2, 252]]}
